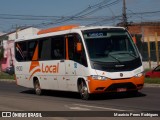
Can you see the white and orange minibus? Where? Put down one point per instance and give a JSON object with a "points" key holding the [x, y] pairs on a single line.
{"points": [[87, 60]]}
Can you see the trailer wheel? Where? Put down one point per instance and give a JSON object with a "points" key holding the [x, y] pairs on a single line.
{"points": [[37, 87], [83, 90]]}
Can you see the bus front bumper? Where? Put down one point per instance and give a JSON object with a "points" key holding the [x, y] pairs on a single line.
{"points": [[115, 85]]}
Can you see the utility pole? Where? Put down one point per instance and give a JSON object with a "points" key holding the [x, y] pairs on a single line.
{"points": [[124, 15], [16, 32]]}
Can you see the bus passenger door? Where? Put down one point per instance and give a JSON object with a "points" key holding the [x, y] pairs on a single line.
{"points": [[61, 76], [69, 63], [73, 61]]}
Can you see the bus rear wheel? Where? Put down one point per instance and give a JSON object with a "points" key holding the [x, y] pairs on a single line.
{"points": [[37, 87], [83, 90]]}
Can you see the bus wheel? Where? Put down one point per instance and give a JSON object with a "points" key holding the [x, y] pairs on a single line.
{"points": [[37, 88], [83, 90]]}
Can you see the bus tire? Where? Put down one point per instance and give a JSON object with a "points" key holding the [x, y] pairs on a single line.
{"points": [[37, 88], [83, 90]]}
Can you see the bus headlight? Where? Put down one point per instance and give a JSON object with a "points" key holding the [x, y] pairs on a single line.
{"points": [[97, 77], [139, 75]]}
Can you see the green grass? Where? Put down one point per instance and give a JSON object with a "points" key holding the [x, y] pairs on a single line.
{"points": [[152, 80], [6, 76]]}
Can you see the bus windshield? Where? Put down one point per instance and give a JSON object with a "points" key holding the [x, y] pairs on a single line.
{"points": [[110, 45]]}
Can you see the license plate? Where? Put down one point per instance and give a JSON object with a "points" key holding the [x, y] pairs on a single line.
{"points": [[121, 89]]}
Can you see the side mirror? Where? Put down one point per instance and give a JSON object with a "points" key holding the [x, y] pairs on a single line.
{"points": [[79, 47], [134, 39]]}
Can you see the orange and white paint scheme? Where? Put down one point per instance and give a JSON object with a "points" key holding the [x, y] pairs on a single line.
{"points": [[87, 60]]}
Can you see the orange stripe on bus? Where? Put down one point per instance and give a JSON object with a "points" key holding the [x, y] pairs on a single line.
{"points": [[67, 54], [33, 65], [56, 29], [35, 56], [37, 70]]}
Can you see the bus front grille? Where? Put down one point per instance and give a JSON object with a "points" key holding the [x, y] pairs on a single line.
{"points": [[114, 87]]}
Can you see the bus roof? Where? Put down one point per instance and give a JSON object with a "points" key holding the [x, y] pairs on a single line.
{"points": [[98, 27], [64, 29], [69, 27]]}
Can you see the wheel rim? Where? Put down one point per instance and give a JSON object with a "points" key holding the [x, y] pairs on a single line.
{"points": [[84, 91], [37, 88]]}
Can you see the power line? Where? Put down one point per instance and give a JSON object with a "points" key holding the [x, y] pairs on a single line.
{"points": [[91, 18], [34, 17], [101, 7], [83, 13]]}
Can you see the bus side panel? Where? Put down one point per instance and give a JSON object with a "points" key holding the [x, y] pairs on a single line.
{"points": [[74, 71], [48, 82], [23, 75]]}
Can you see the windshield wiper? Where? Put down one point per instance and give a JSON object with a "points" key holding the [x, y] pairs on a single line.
{"points": [[128, 54], [114, 58], [131, 54], [107, 54], [125, 53]]}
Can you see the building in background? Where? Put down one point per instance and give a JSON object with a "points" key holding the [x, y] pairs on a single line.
{"points": [[7, 42], [8, 59], [1, 40], [143, 31]]}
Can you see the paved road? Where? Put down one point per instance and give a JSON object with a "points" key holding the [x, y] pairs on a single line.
{"points": [[16, 98]]}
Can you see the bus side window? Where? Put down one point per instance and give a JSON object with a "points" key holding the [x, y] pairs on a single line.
{"points": [[31, 49], [75, 55], [58, 48], [21, 51], [45, 49]]}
